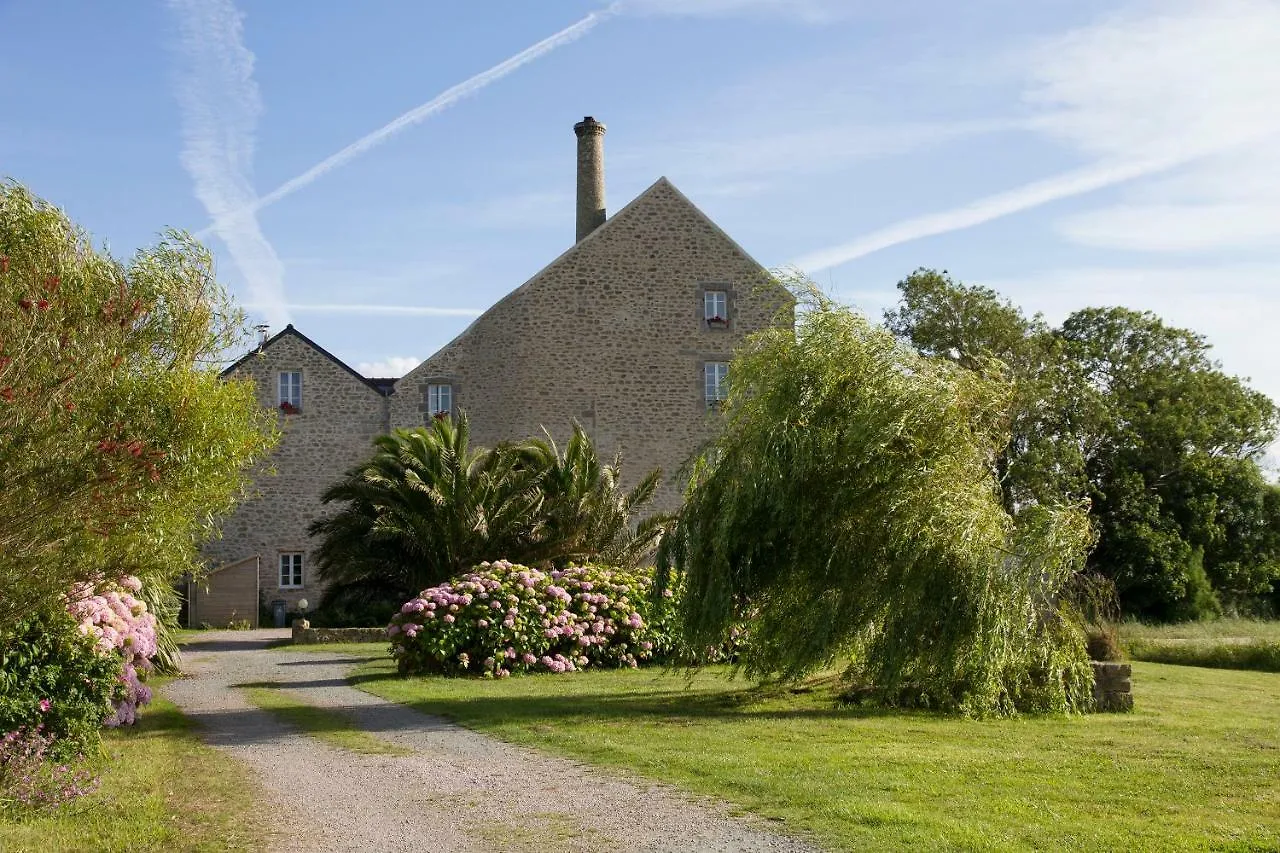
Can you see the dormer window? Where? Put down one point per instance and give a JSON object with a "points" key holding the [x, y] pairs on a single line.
{"points": [[439, 400], [290, 392], [715, 307]]}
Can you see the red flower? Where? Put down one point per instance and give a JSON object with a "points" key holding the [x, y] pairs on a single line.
{"points": [[134, 447], [43, 304], [51, 283], [7, 393], [25, 303], [69, 406], [4, 263]]}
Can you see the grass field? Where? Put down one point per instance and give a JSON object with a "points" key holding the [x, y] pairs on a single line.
{"points": [[162, 789], [1195, 767], [1222, 644], [1217, 629]]}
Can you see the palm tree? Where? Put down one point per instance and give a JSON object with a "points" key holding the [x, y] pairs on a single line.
{"points": [[425, 507], [585, 513]]}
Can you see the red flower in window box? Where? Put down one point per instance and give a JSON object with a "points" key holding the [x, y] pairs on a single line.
{"points": [[440, 415], [717, 321], [288, 408]]}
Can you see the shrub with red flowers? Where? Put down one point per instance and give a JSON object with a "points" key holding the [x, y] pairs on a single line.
{"points": [[119, 441], [503, 618]]}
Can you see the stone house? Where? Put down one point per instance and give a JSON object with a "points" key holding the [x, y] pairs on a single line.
{"points": [[629, 332]]}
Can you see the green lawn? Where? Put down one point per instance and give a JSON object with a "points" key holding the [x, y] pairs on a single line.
{"points": [[1196, 766], [1217, 629], [1222, 644], [162, 789]]}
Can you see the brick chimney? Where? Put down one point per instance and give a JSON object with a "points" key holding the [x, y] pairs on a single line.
{"points": [[590, 175]]}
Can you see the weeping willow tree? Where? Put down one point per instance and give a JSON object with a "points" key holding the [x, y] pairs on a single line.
{"points": [[848, 515]]}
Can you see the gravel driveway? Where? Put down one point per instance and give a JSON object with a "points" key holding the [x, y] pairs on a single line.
{"points": [[459, 790]]}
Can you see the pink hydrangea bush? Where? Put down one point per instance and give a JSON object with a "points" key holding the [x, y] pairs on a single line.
{"points": [[503, 619], [111, 614]]}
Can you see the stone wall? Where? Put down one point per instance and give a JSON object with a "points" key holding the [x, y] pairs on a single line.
{"points": [[612, 335], [333, 430], [304, 634], [1112, 689]]}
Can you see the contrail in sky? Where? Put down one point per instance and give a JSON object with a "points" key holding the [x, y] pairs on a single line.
{"points": [[1031, 195], [441, 102], [220, 107]]}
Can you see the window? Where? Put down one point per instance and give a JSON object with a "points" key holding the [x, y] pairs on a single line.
{"points": [[291, 392], [439, 400], [715, 375], [715, 307], [290, 571]]}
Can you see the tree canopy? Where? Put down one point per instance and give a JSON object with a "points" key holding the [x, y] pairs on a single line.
{"points": [[119, 442], [427, 506], [1116, 407], [848, 511]]}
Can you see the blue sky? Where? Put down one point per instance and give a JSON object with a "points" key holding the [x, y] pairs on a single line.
{"points": [[1066, 152]]}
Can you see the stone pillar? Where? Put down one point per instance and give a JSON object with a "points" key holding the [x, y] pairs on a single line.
{"points": [[590, 175], [1112, 689]]}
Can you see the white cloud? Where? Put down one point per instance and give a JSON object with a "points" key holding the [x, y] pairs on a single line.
{"points": [[984, 210], [220, 108], [1184, 78], [392, 366], [1163, 88], [438, 104]]}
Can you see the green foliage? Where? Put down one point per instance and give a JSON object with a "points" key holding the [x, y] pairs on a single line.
{"points": [[427, 506], [1194, 767], [848, 510], [120, 443], [53, 675], [1260, 655], [502, 618], [1117, 408]]}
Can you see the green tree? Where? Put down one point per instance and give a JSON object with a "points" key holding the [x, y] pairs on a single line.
{"points": [[585, 514], [427, 506], [1133, 415], [849, 511], [119, 444]]}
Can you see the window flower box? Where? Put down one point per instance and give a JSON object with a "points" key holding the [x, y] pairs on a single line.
{"points": [[289, 408], [717, 321]]}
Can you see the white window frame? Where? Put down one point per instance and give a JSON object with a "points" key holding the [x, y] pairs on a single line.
{"points": [[439, 398], [715, 303], [289, 388], [715, 382], [289, 572]]}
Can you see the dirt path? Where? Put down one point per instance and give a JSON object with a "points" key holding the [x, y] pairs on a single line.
{"points": [[459, 790]]}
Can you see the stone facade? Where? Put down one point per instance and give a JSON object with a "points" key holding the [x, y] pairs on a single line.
{"points": [[333, 429], [303, 634], [1112, 688], [612, 335]]}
